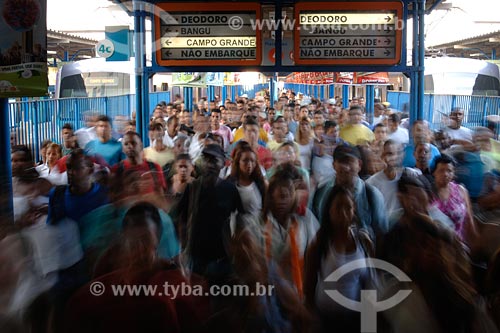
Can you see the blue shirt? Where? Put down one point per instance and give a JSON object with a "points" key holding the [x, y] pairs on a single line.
{"points": [[409, 160], [77, 206], [292, 126], [110, 151]]}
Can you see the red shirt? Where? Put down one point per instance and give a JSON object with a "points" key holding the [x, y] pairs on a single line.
{"points": [[265, 157], [144, 178]]}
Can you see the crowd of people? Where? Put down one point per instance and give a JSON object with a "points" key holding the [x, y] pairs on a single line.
{"points": [[248, 193]]}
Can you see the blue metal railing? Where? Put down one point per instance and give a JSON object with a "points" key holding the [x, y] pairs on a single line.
{"points": [[33, 121], [438, 107]]}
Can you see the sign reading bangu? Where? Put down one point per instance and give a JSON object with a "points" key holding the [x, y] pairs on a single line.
{"points": [[348, 33], [207, 34]]}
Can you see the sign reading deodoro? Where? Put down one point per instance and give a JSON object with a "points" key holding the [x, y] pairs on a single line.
{"points": [[213, 34], [348, 33], [23, 48]]}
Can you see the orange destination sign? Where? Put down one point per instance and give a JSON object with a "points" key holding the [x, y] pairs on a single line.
{"points": [[348, 33], [207, 34]]}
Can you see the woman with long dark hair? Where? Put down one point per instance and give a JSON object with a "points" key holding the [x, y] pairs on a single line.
{"points": [[338, 242], [246, 174]]}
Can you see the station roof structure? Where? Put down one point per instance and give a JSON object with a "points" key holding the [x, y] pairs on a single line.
{"points": [[64, 46], [127, 4], [479, 47]]}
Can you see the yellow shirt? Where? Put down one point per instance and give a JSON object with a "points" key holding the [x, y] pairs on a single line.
{"points": [[274, 146], [356, 134], [238, 135]]}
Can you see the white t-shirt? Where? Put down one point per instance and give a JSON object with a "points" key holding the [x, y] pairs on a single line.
{"points": [[251, 198], [400, 135], [305, 154], [322, 168], [85, 135], [462, 133], [389, 188]]}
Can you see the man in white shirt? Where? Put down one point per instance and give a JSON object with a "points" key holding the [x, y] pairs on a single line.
{"points": [[386, 181], [396, 132], [172, 131], [459, 135]]}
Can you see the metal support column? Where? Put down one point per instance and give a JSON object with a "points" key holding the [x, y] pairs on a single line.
{"points": [[188, 98], [345, 96], [421, 59], [414, 104], [233, 93], [331, 91], [142, 114], [315, 91], [6, 205], [369, 102], [210, 93], [272, 87], [223, 95]]}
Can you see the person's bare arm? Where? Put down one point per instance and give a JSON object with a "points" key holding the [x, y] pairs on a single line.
{"points": [[471, 229]]}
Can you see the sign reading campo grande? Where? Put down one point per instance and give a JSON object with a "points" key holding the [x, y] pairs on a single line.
{"points": [[212, 34], [348, 33]]}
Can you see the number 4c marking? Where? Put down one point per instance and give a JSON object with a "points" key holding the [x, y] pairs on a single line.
{"points": [[104, 49]]}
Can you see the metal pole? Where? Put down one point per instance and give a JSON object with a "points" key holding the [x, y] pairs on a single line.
{"points": [[271, 91], [421, 59], [345, 96], [138, 77], [369, 102], [6, 205], [145, 78], [188, 98], [141, 114], [233, 93], [414, 59], [223, 95]]}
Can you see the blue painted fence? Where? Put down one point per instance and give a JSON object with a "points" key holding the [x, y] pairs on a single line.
{"points": [[438, 107], [33, 121]]}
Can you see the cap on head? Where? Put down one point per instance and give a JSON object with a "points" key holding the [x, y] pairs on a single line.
{"points": [[214, 150], [344, 151]]}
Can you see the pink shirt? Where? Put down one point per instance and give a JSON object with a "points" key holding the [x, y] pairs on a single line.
{"points": [[226, 134]]}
